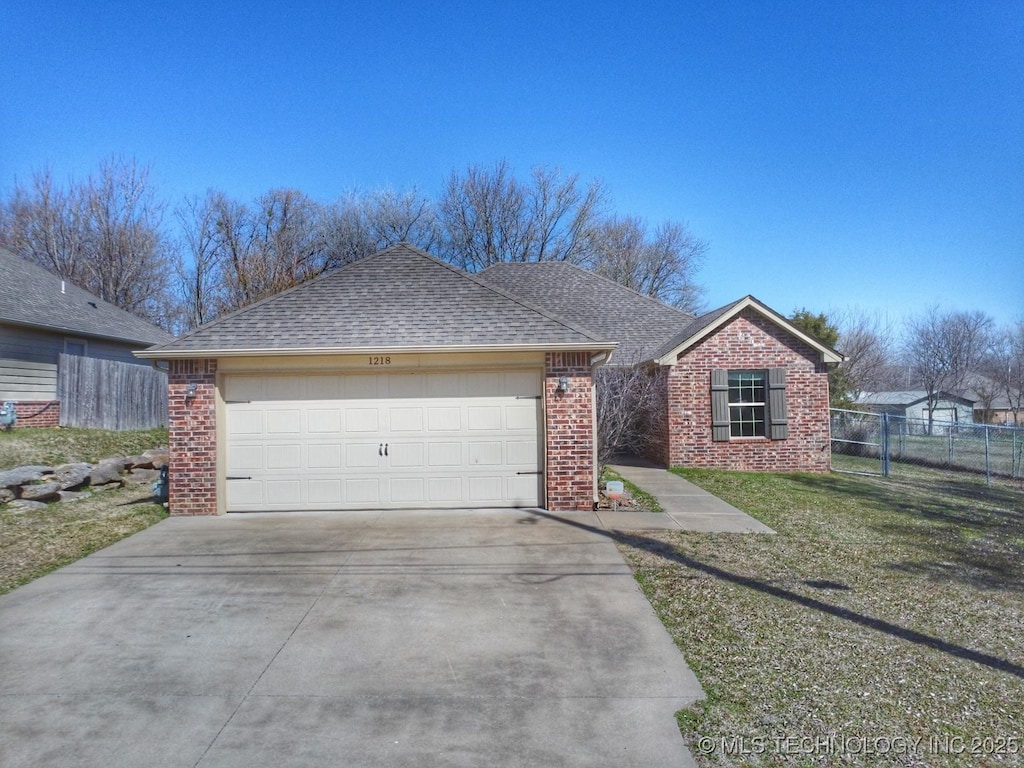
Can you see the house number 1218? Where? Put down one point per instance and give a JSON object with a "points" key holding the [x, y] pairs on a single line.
{"points": [[376, 360]]}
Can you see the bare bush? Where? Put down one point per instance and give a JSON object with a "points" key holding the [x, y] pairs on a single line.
{"points": [[629, 399]]}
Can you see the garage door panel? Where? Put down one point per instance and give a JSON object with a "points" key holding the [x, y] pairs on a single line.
{"points": [[284, 493], [521, 417], [444, 418], [361, 455], [522, 453], [325, 491], [323, 420], [284, 457], [486, 417], [405, 419], [444, 489], [362, 490], [453, 439], [406, 455], [523, 490], [245, 494], [444, 454], [284, 422], [486, 453], [362, 420], [407, 490], [324, 456], [245, 422], [486, 489], [243, 457]]}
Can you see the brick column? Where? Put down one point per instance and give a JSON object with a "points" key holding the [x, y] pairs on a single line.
{"points": [[569, 422], [192, 423]]}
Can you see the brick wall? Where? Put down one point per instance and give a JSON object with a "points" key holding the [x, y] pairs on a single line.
{"points": [[749, 342], [192, 422], [569, 423], [37, 413]]}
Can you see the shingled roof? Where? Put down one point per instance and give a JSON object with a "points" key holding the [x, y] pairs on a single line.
{"points": [[639, 323], [398, 299], [31, 296]]}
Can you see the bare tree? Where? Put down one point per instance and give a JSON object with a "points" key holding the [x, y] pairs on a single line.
{"points": [[1004, 366], [663, 265], [867, 343], [199, 260], [105, 235], [46, 224], [942, 348], [627, 400], [489, 216]]}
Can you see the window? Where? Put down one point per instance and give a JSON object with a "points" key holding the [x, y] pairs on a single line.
{"points": [[748, 404], [75, 347]]}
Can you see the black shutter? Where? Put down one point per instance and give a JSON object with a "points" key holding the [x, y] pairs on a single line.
{"points": [[719, 405], [777, 404]]}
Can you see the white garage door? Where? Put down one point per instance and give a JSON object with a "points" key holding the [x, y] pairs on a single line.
{"points": [[383, 441]]}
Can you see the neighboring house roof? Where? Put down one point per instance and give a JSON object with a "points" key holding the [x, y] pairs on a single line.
{"points": [[400, 299], [31, 296], [639, 323], [906, 398], [705, 325]]}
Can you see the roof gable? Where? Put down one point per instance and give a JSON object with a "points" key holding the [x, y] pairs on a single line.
{"points": [[639, 323], [705, 325], [31, 296], [398, 299]]}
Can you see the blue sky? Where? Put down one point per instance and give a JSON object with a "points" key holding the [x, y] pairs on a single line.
{"points": [[865, 154]]}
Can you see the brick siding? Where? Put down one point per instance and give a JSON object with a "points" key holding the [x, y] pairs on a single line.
{"points": [[569, 423], [192, 422], [37, 413], [748, 342]]}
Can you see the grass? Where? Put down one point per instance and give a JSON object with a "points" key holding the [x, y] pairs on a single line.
{"points": [[35, 542], [61, 446], [881, 610]]}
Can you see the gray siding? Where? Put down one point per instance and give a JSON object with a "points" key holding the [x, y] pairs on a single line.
{"points": [[28, 360]]}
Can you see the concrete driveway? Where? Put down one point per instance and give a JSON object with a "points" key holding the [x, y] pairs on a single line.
{"points": [[502, 637]]}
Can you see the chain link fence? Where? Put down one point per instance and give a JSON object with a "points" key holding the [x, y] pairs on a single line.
{"points": [[884, 444]]}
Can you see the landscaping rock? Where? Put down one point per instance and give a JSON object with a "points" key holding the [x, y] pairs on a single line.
{"points": [[6, 494], [139, 476], [74, 495], [107, 486], [71, 476], [106, 472], [139, 462], [157, 456], [24, 505], [12, 478], [41, 492]]}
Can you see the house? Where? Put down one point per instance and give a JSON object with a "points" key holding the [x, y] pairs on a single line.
{"points": [[400, 381], [913, 404], [43, 316]]}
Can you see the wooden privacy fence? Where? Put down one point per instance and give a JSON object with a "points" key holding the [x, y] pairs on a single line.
{"points": [[107, 394]]}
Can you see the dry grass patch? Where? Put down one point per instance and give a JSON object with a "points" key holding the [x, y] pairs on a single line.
{"points": [[35, 542], [20, 447], [882, 617]]}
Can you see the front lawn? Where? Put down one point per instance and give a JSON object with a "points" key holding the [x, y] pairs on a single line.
{"points": [[883, 624], [35, 542]]}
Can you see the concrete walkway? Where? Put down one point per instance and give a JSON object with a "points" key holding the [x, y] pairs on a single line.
{"points": [[686, 506], [403, 639]]}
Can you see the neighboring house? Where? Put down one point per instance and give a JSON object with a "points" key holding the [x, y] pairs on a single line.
{"points": [[399, 381], [43, 316], [913, 404]]}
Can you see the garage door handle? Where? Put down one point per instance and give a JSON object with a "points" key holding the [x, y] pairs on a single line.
{"points": [[385, 449], [380, 449]]}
